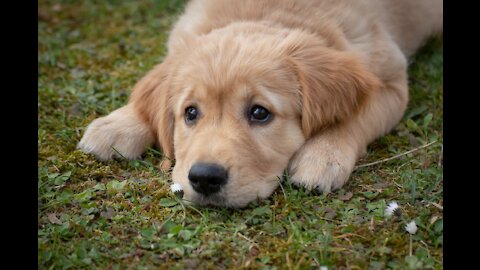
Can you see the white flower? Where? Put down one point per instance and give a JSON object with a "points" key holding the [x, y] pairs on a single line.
{"points": [[411, 227], [323, 268], [176, 188], [391, 208]]}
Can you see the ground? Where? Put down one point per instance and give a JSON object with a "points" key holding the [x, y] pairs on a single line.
{"points": [[121, 214]]}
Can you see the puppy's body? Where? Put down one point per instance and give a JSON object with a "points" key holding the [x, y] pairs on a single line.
{"points": [[332, 75], [362, 23]]}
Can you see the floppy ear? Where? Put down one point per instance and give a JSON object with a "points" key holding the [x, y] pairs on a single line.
{"points": [[334, 84], [151, 96]]}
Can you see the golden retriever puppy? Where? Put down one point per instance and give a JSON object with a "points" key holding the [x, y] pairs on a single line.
{"points": [[250, 88]]}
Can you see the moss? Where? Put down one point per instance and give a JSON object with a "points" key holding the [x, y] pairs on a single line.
{"points": [[120, 214]]}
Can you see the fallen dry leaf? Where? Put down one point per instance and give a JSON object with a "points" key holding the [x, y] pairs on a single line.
{"points": [[57, 8], [345, 197], [253, 251], [75, 110], [433, 219], [52, 158], [108, 213], [380, 185], [330, 213], [53, 218], [371, 227], [42, 15]]}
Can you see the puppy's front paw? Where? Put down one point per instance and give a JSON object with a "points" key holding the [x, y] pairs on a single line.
{"points": [[121, 131], [322, 164]]}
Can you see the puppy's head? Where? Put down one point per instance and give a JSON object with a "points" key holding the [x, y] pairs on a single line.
{"points": [[233, 106]]}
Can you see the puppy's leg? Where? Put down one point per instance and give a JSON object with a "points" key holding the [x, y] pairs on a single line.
{"points": [[123, 129], [327, 159]]}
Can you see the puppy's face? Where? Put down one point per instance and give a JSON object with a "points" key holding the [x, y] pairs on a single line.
{"points": [[236, 126], [234, 109]]}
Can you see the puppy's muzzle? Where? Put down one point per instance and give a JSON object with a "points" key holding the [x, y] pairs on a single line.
{"points": [[207, 178]]}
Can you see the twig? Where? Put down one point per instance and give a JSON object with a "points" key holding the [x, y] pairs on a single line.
{"points": [[440, 158], [350, 234], [437, 205], [426, 247], [328, 219], [184, 212], [194, 209], [281, 186], [287, 259], [394, 157], [410, 245], [118, 152], [248, 239]]}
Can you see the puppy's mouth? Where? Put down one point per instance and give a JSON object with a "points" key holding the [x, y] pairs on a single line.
{"points": [[216, 199], [211, 184]]}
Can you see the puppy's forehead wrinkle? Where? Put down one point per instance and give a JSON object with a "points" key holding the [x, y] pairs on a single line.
{"points": [[227, 59]]}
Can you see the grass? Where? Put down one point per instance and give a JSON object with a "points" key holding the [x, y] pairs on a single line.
{"points": [[121, 215]]}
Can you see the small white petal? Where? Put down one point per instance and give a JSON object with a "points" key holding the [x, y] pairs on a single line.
{"points": [[176, 188], [411, 227], [323, 268], [391, 208]]}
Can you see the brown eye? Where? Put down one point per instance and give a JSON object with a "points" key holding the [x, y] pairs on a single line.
{"points": [[191, 114], [259, 114]]}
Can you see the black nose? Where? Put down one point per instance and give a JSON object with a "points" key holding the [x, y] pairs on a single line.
{"points": [[207, 178]]}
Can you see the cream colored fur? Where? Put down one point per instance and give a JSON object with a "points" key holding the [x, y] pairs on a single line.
{"points": [[333, 74]]}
